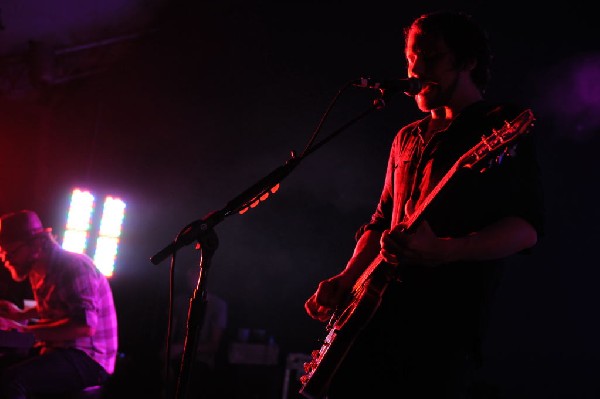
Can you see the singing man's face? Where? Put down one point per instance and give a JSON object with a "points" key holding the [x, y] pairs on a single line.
{"points": [[431, 61], [18, 259]]}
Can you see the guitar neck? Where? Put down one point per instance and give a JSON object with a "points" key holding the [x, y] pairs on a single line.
{"points": [[408, 224], [362, 280]]}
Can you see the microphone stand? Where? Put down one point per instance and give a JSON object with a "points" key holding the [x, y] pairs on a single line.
{"points": [[195, 320], [202, 231]]}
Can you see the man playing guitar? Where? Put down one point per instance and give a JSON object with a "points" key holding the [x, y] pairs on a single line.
{"points": [[434, 255]]}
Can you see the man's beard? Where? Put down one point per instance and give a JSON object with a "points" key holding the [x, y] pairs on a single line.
{"points": [[440, 98], [21, 272]]}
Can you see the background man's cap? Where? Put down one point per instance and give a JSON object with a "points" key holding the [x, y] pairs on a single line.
{"points": [[20, 226]]}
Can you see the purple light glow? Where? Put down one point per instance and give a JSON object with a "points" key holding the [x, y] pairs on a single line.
{"points": [[571, 97]]}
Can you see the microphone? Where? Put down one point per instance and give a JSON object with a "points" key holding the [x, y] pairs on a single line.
{"points": [[410, 86]]}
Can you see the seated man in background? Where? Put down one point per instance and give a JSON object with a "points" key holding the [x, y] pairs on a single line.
{"points": [[74, 321]]}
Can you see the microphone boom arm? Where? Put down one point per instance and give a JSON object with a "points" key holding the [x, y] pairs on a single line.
{"points": [[193, 231], [196, 229]]}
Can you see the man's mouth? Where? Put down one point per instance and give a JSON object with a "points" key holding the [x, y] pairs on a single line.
{"points": [[428, 87]]}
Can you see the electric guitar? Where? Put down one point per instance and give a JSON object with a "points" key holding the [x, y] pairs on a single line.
{"points": [[347, 321]]}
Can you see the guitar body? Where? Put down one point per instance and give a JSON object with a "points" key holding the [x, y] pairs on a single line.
{"points": [[346, 324], [343, 329]]}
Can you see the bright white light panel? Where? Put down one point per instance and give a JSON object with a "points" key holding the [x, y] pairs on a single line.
{"points": [[79, 231]]}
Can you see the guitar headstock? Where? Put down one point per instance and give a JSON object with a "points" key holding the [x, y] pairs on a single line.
{"points": [[499, 139]]}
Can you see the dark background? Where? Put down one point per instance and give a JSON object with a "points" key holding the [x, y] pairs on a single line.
{"points": [[180, 106]]}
